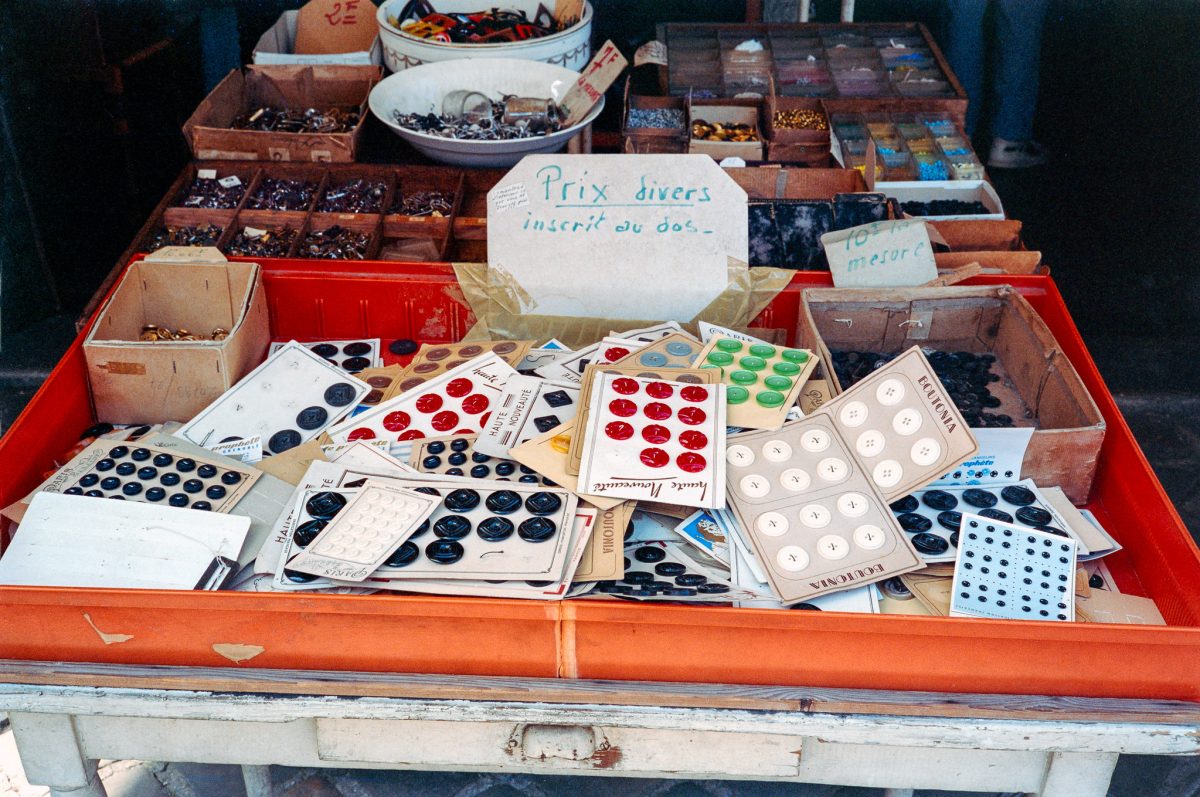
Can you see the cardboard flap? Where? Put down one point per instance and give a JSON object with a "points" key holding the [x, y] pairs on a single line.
{"points": [[186, 254], [570, 236]]}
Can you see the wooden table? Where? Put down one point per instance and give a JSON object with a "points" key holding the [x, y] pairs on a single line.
{"points": [[66, 716]]}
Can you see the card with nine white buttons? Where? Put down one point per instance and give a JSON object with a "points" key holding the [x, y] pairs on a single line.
{"points": [[1004, 571], [364, 534], [814, 518], [902, 425], [932, 518], [528, 406], [351, 356], [690, 376], [484, 529], [546, 589], [605, 352], [649, 439], [456, 402], [289, 399], [152, 475]]}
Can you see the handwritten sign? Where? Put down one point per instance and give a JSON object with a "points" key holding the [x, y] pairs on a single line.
{"points": [[326, 27], [617, 236], [606, 65], [883, 254]]}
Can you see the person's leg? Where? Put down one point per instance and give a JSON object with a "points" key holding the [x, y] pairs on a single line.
{"points": [[1018, 62], [964, 51]]}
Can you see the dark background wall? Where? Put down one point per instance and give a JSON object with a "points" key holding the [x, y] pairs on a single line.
{"points": [[92, 95]]}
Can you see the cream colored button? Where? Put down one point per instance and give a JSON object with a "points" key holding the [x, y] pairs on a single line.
{"points": [[869, 537], [907, 421], [771, 524], [853, 414], [853, 504], [926, 451], [831, 546], [777, 451], [792, 558], [815, 440], [739, 456], [754, 485], [832, 469], [889, 392], [888, 473], [870, 443], [795, 480], [815, 516]]}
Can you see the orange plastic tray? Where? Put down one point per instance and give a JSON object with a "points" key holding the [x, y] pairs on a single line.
{"points": [[609, 639]]}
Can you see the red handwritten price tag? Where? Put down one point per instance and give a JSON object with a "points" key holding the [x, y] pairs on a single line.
{"points": [[335, 26], [606, 65]]}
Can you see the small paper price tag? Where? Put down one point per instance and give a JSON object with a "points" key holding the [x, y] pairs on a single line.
{"points": [[232, 181], [606, 65], [326, 27], [883, 254], [206, 174]]}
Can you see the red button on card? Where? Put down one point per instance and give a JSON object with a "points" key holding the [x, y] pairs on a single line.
{"points": [[656, 411], [444, 421], [656, 434], [411, 434], [396, 421], [659, 390], [361, 434], [690, 462], [694, 393], [625, 386], [475, 404], [457, 388], [693, 440], [618, 430], [615, 353], [692, 416], [655, 457], [430, 403], [622, 408]]}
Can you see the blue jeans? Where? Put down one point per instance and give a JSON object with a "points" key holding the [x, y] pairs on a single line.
{"points": [[1018, 42]]}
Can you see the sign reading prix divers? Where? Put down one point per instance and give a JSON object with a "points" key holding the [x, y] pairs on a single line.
{"points": [[616, 236]]}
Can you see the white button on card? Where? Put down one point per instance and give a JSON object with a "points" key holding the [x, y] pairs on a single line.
{"points": [[815, 440], [741, 456], [853, 414], [926, 451], [832, 469], [887, 473], [907, 421], [869, 537], [792, 558], [777, 451], [795, 480], [853, 504], [832, 546], [772, 524], [754, 485], [870, 443], [815, 516], [889, 392]]}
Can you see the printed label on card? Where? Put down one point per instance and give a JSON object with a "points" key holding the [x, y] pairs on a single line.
{"points": [[249, 450]]}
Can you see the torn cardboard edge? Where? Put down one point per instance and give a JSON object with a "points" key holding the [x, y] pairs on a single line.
{"points": [[496, 298]]}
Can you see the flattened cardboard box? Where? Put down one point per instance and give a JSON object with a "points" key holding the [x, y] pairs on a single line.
{"points": [[1069, 428], [135, 381], [209, 130]]}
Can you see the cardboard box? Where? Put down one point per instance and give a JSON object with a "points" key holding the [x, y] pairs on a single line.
{"points": [[735, 111], [776, 182], [1022, 262], [211, 137], [1039, 379], [277, 47], [960, 190], [136, 381], [647, 140], [810, 147], [980, 236]]}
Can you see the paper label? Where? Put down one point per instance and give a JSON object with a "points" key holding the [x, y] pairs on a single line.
{"points": [[883, 254], [249, 450], [231, 181], [652, 52], [595, 224], [511, 196], [606, 65], [998, 460], [206, 174], [335, 26]]}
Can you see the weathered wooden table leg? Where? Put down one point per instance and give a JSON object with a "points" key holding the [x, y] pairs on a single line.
{"points": [[1078, 775], [257, 779], [52, 757]]}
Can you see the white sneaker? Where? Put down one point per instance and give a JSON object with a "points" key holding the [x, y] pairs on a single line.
{"points": [[1007, 154]]}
